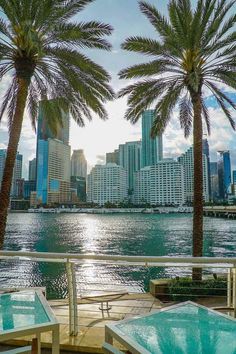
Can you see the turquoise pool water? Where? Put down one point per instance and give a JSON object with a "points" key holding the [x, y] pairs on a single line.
{"points": [[21, 310], [186, 329]]}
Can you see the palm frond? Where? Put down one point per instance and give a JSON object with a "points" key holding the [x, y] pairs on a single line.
{"points": [[143, 45], [155, 67], [185, 115], [164, 108]]}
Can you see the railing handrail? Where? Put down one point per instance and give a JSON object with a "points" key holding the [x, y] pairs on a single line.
{"points": [[117, 258], [162, 261]]}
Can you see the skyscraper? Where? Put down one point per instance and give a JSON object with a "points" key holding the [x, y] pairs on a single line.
{"points": [[187, 161], [113, 157], [224, 173], [17, 172], [234, 177], [214, 181], [152, 149], [53, 162], [206, 152], [130, 159], [32, 170], [60, 132], [78, 164]]}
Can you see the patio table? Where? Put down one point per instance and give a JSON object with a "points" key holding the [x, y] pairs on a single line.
{"points": [[185, 328], [27, 313]]}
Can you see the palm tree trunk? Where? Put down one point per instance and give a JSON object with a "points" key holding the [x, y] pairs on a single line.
{"points": [[14, 137], [198, 183]]}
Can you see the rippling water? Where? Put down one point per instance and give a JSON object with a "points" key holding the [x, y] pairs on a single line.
{"points": [[126, 234]]}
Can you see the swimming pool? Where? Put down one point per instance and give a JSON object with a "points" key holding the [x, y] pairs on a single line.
{"points": [[187, 328]]}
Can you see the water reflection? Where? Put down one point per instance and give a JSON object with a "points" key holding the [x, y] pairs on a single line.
{"points": [[150, 235]]}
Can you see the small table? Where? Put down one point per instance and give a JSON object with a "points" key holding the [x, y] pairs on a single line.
{"points": [[104, 298], [185, 328], [27, 313]]}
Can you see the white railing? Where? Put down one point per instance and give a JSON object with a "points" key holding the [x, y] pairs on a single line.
{"points": [[71, 259]]}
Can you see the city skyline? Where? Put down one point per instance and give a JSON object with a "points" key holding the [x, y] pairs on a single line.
{"points": [[99, 137]]}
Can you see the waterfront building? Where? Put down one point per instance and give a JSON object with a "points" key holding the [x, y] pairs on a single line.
{"points": [[234, 176], [186, 160], [160, 184], [142, 186], [78, 164], [53, 163], [107, 183], [213, 168], [60, 131], [20, 188], [113, 157], [78, 188], [29, 187], [53, 172], [167, 183], [206, 152], [224, 174], [152, 149], [214, 181], [17, 171], [32, 169], [130, 159]]}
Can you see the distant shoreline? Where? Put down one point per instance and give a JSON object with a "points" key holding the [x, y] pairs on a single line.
{"points": [[158, 210]]}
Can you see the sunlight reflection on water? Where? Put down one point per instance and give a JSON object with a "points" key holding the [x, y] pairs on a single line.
{"points": [[127, 234]]}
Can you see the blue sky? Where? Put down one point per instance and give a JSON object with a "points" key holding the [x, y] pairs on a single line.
{"points": [[99, 137]]}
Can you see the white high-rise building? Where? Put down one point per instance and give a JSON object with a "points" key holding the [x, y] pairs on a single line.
{"points": [[107, 183], [78, 164], [186, 160], [167, 183], [142, 186], [160, 184]]}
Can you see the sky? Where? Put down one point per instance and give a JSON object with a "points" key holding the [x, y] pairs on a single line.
{"points": [[99, 137]]}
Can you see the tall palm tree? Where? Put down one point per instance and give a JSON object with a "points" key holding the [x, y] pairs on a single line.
{"points": [[194, 53], [40, 54]]}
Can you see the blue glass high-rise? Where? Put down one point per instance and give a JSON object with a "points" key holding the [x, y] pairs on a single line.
{"points": [[224, 173], [44, 135], [152, 149]]}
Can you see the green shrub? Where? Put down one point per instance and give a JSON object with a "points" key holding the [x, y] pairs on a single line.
{"points": [[184, 289]]}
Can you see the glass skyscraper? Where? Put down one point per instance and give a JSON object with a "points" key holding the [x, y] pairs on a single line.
{"points": [[17, 172], [224, 173], [130, 159], [152, 149], [206, 152], [53, 161], [78, 164]]}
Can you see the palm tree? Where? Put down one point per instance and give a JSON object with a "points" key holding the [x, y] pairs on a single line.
{"points": [[194, 53], [40, 54]]}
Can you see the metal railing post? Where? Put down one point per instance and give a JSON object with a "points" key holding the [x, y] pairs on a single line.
{"points": [[229, 288], [234, 290], [73, 310]]}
